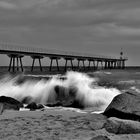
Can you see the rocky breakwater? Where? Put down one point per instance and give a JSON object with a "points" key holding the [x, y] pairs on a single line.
{"points": [[124, 114], [125, 106]]}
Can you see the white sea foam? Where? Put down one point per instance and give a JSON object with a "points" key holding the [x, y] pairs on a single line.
{"points": [[89, 93]]}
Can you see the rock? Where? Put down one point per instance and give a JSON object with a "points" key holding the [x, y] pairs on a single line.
{"points": [[54, 104], [6, 106], [32, 106], [9, 100], [40, 106], [96, 125], [8, 103], [64, 96], [27, 100], [100, 138], [119, 126], [96, 121], [124, 106]]}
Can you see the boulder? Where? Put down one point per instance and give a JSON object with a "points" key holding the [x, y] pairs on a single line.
{"points": [[8, 103], [32, 106], [100, 138], [125, 106], [9, 100], [119, 126], [40, 106], [65, 97], [96, 121]]}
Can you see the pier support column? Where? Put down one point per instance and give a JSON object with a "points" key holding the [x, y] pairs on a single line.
{"points": [[39, 60], [17, 65], [21, 65], [112, 64], [81, 60], [123, 64], [56, 59], [94, 67], [102, 67], [13, 59], [68, 59], [109, 65], [101, 64], [89, 62], [89, 65], [97, 64], [105, 67], [119, 64], [83, 64], [78, 64]]}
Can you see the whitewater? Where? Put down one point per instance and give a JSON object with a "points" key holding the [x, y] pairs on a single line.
{"points": [[88, 92]]}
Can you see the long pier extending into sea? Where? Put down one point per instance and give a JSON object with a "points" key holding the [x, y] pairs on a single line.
{"points": [[16, 52]]}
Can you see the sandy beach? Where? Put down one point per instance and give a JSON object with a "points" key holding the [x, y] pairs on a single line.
{"points": [[52, 124]]}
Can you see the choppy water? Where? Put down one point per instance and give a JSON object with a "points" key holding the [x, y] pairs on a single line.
{"points": [[87, 90]]}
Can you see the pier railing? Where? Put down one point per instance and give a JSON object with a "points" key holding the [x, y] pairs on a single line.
{"points": [[43, 51]]}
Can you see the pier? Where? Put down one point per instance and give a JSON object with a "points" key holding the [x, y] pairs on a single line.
{"points": [[17, 52]]}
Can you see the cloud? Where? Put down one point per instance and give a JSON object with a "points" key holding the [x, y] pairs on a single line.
{"points": [[70, 13], [7, 5], [71, 23]]}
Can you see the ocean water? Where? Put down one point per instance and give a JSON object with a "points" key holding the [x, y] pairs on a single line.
{"points": [[42, 90], [94, 90]]}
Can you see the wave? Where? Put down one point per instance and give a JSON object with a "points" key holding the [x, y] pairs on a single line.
{"points": [[87, 92]]}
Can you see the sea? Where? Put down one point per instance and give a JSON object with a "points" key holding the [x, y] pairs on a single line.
{"points": [[95, 89]]}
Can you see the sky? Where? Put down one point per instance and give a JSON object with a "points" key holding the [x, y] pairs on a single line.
{"points": [[93, 26]]}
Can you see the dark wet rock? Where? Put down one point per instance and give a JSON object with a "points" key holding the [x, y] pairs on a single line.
{"points": [[32, 106], [27, 100], [9, 100], [8, 103], [40, 106], [119, 126], [125, 106], [54, 104], [65, 97], [100, 138]]}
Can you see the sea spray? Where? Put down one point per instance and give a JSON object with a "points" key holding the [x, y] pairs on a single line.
{"points": [[88, 92]]}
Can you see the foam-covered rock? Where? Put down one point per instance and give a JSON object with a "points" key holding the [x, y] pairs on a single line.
{"points": [[40, 106], [27, 100], [65, 97], [125, 106], [120, 126], [32, 106]]}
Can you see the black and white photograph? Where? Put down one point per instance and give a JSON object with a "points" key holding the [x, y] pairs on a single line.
{"points": [[69, 69]]}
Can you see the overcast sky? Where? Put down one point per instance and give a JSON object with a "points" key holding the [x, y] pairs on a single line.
{"points": [[92, 26]]}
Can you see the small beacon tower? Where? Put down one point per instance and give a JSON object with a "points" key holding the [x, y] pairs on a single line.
{"points": [[122, 60]]}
